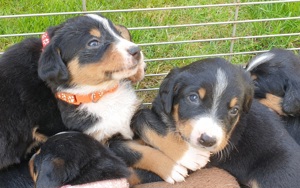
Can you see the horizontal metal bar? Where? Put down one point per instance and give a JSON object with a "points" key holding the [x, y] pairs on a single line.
{"points": [[210, 55], [215, 23], [219, 39], [178, 26], [149, 9], [148, 89], [160, 74]]}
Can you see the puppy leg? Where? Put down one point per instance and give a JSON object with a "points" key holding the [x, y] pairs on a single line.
{"points": [[155, 133], [147, 158]]}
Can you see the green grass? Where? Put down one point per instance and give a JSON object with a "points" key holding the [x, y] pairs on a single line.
{"points": [[168, 17]]}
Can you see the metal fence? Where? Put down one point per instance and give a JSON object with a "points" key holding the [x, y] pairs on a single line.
{"points": [[232, 38]]}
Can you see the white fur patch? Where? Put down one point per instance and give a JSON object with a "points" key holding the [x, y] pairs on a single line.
{"points": [[114, 110], [221, 85], [258, 60], [210, 126]]}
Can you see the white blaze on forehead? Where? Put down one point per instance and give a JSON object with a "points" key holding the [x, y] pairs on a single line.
{"points": [[105, 24], [108, 27], [258, 60], [221, 85]]}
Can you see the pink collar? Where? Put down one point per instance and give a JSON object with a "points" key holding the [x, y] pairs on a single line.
{"points": [[45, 39]]}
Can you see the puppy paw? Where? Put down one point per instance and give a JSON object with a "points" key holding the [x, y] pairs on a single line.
{"points": [[194, 158], [177, 174]]}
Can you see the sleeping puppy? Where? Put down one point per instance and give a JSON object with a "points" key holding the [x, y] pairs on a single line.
{"points": [[276, 76], [209, 103], [76, 158]]}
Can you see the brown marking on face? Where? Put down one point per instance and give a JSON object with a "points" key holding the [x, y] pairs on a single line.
{"points": [[185, 128], [224, 142], [32, 171], [123, 32], [274, 103], [152, 160], [139, 74], [253, 77], [176, 112], [202, 92], [133, 178], [95, 32], [233, 102], [58, 162], [110, 64], [171, 144]]}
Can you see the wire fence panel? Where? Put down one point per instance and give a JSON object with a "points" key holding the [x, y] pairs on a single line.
{"points": [[177, 35]]}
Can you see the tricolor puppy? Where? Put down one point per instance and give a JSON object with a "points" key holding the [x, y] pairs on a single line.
{"points": [[276, 76], [209, 104], [78, 76], [72, 158]]}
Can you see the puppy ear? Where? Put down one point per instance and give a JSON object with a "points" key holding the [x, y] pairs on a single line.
{"points": [[53, 173], [249, 92], [291, 99], [51, 66], [124, 32], [168, 89]]}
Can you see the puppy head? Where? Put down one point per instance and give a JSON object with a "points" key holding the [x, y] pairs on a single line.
{"points": [[89, 50], [205, 100], [277, 72]]}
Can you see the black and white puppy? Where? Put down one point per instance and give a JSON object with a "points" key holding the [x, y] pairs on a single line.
{"points": [[209, 103], [276, 76]]}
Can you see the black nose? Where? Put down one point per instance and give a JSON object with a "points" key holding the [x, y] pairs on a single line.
{"points": [[207, 141], [135, 51]]}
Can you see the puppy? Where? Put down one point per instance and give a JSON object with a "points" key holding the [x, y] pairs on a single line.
{"points": [[209, 103], [76, 158], [276, 76]]}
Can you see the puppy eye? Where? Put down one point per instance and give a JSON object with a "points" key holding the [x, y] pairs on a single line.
{"points": [[234, 111], [94, 43], [194, 98]]}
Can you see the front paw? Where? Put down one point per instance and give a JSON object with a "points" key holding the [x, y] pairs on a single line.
{"points": [[194, 158], [177, 174]]}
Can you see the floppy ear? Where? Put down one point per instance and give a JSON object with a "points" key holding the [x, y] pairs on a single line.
{"points": [[53, 173], [291, 99], [249, 91], [51, 66], [124, 32], [168, 89]]}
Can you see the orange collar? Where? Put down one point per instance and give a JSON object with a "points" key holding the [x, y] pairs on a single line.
{"points": [[78, 99]]}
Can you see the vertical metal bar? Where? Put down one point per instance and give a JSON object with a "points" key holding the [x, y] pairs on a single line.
{"points": [[236, 15], [83, 5]]}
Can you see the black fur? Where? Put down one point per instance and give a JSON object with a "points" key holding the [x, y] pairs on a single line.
{"points": [[75, 158], [280, 76]]}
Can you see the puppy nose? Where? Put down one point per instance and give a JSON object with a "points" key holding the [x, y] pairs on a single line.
{"points": [[207, 141], [135, 51]]}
